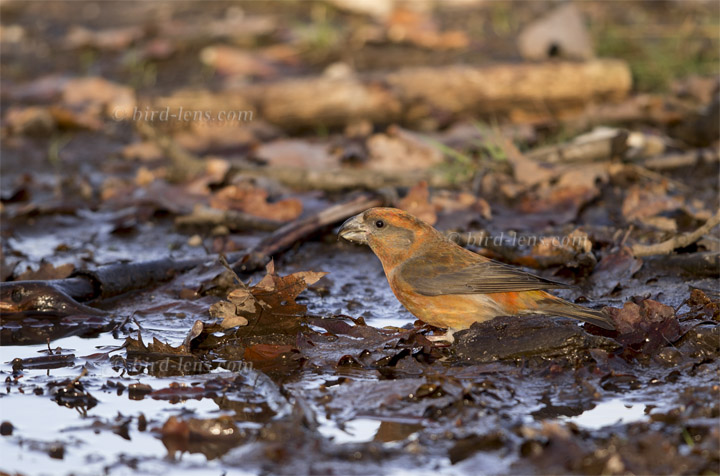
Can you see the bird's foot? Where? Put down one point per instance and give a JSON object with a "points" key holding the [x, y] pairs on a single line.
{"points": [[443, 338]]}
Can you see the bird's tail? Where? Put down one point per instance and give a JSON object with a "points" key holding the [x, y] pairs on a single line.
{"points": [[559, 307]]}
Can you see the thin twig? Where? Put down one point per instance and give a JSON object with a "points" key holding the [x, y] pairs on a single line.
{"points": [[679, 241], [223, 261]]}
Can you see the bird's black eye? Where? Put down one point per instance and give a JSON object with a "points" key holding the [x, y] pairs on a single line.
{"points": [[379, 224]]}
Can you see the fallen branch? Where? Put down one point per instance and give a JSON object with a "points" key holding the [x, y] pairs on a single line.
{"points": [[295, 231], [679, 241]]}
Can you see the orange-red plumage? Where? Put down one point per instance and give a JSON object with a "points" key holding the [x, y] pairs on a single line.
{"points": [[446, 285]]}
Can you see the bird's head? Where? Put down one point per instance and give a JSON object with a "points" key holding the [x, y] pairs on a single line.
{"points": [[392, 234]]}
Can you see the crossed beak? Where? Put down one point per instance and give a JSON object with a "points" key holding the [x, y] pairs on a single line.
{"points": [[354, 230]]}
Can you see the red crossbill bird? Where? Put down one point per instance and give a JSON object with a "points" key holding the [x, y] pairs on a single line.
{"points": [[448, 286]]}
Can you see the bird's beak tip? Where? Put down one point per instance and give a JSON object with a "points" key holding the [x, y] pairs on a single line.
{"points": [[353, 230]]}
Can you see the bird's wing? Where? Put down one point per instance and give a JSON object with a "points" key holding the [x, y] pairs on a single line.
{"points": [[480, 277]]}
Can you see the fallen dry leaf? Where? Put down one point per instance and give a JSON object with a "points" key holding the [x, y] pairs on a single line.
{"points": [[282, 53], [642, 202], [380, 9], [613, 269], [138, 350], [556, 205], [176, 428], [114, 100], [156, 195], [254, 201], [239, 300], [203, 137], [32, 120], [701, 304], [236, 25], [273, 294], [401, 150], [47, 271], [700, 88], [40, 91], [145, 176], [215, 171], [417, 203], [243, 300], [459, 210], [279, 293], [228, 60], [418, 27], [227, 311], [259, 352], [115, 187], [114, 39], [296, 153], [577, 242], [526, 171], [77, 116], [191, 434], [586, 175], [157, 49], [143, 151], [176, 393], [645, 327]]}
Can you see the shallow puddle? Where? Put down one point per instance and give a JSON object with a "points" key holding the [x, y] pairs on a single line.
{"points": [[609, 413]]}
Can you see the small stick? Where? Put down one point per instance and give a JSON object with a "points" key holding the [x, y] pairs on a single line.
{"points": [[678, 241], [226, 265]]}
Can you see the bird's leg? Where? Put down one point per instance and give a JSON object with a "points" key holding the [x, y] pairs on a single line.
{"points": [[447, 337]]}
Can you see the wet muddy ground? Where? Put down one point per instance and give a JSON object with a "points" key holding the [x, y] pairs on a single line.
{"points": [[331, 375], [347, 397]]}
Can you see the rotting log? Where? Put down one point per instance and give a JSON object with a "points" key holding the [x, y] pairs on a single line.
{"points": [[518, 90]]}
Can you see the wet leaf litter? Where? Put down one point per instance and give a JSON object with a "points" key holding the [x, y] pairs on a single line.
{"points": [[128, 346]]}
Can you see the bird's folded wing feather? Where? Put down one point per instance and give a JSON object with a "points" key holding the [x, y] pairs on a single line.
{"points": [[435, 279]]}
